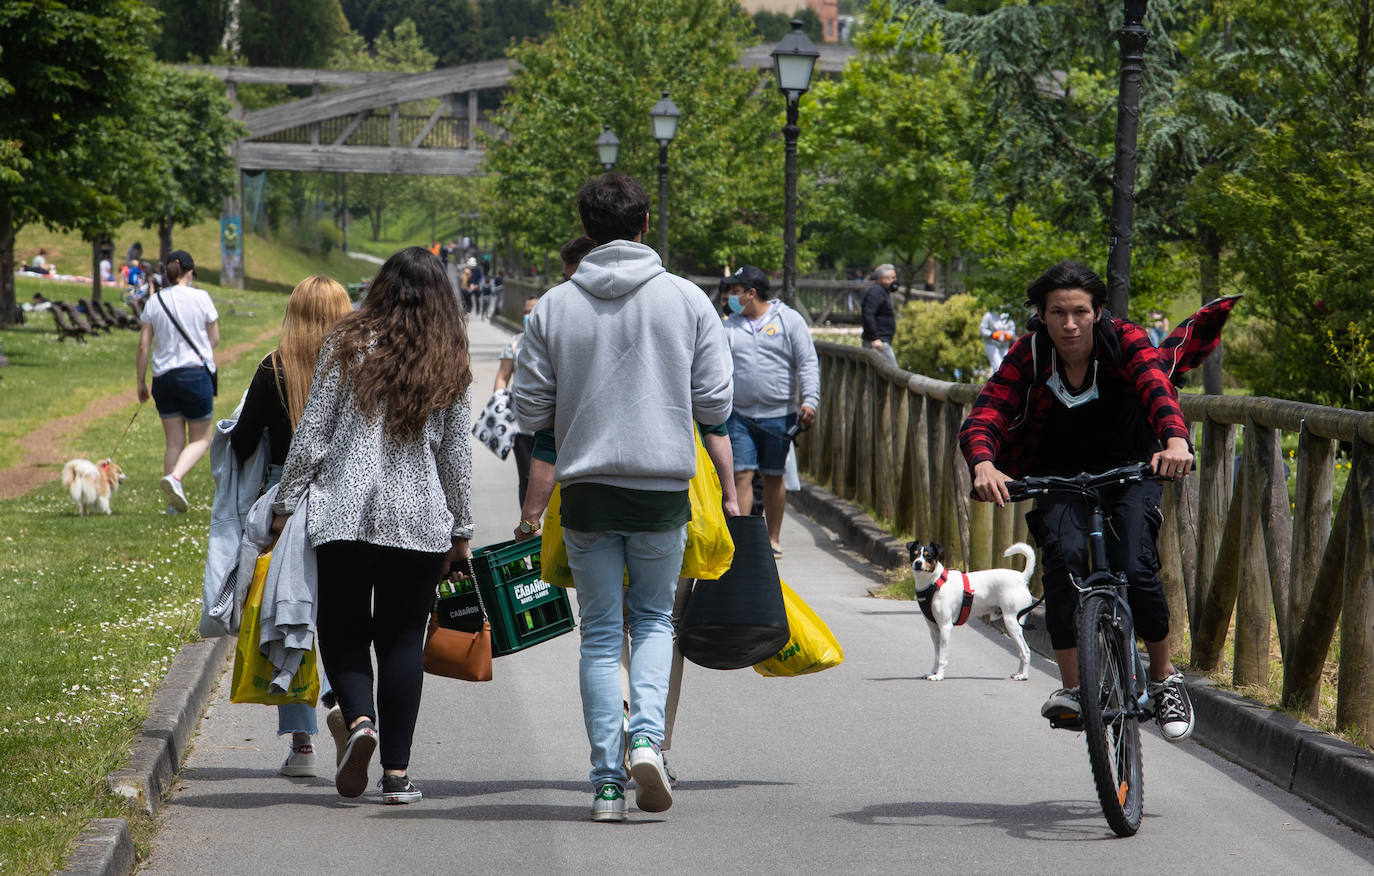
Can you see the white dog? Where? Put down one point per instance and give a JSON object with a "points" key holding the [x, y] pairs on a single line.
{"points": [[950, 598], [91, 484]]}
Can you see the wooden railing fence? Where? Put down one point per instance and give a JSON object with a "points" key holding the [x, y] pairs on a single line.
{"points": [[1236, 552]]}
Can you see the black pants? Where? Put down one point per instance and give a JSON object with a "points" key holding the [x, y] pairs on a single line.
{"points": [[524, 452], [373, 596], [1060, 525]]}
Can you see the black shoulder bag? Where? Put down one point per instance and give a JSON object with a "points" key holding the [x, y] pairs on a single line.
{"points": [[214, 374]]}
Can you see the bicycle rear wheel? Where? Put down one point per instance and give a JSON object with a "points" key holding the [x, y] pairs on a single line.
{"points": [[1109, 721]]}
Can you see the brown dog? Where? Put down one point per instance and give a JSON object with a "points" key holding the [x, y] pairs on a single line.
{"points": [[91, 484]]}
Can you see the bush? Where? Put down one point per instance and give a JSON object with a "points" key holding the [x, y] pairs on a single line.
{"points": [[940, 338]]}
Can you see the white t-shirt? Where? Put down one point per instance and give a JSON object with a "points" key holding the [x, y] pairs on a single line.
{"points": [[194, 310]]}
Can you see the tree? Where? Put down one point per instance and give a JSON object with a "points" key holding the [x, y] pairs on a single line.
{"points": [[290, 33], [194, 135], [66, 70], [455, 31], [607, 62], [191, 29]]}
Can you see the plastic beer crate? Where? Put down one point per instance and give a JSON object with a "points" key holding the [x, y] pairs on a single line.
{"points": [[523, 608]]}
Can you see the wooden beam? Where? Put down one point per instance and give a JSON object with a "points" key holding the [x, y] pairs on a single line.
{"points": [[352, 126], [292, 75], [360, 159], [395, 137], [418, 86], [444, 106]]}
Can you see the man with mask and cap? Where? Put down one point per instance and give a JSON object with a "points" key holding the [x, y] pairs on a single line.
{"points": [[777, 388]]}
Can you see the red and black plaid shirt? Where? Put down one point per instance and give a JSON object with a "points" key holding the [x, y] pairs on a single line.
{"points": [[1002, 427]]}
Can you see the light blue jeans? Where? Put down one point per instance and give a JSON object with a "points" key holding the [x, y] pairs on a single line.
{"points": [[297, 717], [598, 561]]}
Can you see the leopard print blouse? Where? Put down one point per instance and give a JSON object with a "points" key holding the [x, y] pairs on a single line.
{"points": [[363, 486]]}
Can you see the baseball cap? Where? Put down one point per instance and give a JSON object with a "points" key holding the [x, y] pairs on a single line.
{"points": [[181, 255], [750, 277]]}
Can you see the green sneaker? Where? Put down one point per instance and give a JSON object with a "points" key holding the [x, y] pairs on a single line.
{"points": [[653, 788], [609, 803]]}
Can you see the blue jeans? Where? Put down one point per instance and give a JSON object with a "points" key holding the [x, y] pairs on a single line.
{"points": [[598, 561]]}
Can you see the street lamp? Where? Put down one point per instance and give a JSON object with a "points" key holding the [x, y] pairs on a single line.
{"points": [[1132, 37], [794, 59], [607, 147], [664, 117]]}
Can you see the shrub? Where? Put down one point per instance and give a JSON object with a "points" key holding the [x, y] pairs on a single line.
{"points": [[940, 338]]}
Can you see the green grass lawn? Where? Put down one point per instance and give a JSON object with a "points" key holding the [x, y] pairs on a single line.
{"points": [[94, 608]]}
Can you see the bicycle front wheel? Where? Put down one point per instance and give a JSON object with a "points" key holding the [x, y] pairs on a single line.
{"points": [[1109, 717]]}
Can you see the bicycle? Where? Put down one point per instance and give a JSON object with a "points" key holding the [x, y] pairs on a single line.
{"points": [[1108, 661]]}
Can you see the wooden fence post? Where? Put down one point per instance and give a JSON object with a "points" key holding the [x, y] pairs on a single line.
{"points": [[1252, 590], [1171, 567], [1355, 688], [1214, 499], [1312, 508]]}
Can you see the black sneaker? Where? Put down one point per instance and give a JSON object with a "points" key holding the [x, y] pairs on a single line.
{"points": [[350, 780], [398, 789], [1173, 708]]}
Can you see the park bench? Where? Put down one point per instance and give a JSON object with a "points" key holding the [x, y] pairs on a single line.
{"points": [[120, 316], [94, 315], [75, 317]]}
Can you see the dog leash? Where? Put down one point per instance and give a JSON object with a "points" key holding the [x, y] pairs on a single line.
{"points": [[137, 410]]}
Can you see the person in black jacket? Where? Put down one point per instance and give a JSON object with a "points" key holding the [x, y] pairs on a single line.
{"points": [[879, 319]]}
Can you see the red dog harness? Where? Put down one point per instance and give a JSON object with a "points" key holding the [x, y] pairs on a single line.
{"points": [[924, 597]]}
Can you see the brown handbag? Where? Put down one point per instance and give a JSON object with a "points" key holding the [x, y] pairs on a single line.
{"points": [[456, 654]]}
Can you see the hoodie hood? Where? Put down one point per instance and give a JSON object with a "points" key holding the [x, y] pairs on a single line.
{"points": [[616, 269]]}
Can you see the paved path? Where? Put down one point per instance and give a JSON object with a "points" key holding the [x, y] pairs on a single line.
{"points": [[865, 768]]}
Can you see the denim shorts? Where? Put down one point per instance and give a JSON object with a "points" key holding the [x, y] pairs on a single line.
{"points": [[184, 392], [760, 443]]}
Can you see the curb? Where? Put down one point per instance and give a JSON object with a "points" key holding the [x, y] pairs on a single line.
{"points": [[105, 847], [1327, 772]]}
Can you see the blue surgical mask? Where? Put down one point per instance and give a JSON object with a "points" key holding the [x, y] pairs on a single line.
{"points": [[734, 304], [526, 326]]}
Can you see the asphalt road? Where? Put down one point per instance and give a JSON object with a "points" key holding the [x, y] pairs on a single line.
{"points": [[865, 768]]}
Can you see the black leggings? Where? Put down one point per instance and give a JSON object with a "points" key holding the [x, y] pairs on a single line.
{"points": [[1060, 524], [377, 596]]}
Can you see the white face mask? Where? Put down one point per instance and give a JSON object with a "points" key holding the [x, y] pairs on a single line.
{"points": [[1061, 392]]}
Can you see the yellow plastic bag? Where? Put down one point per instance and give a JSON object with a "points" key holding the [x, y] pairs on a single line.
{"points": [[253, 672], [709, 551], [812, 647]]}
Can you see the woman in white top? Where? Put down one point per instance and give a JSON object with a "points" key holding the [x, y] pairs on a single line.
{"points": [[181, 329]]}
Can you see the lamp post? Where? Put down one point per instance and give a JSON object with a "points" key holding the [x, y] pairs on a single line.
{"points": [[607, 147], [794, 60], [664, 117], [1132, 37]]}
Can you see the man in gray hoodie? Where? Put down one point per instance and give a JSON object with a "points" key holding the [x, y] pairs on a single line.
{"points": [[775, 368], [615, 366]]}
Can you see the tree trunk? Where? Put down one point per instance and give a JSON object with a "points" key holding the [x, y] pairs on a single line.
{"points": [[95, 268], [9, 308], [164, 237], [1209, 241]]}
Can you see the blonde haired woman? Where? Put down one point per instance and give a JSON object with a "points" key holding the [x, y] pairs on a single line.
{"points": [[275, 402]]}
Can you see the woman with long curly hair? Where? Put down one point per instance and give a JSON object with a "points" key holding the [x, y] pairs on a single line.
{"points": [[276, 402], [383, 454]]}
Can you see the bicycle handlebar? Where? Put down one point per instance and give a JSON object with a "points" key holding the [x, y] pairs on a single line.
{"points": [[1084, 483]]}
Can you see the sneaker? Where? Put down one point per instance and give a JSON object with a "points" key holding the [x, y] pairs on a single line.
{"points": [[1063, 703], [171, 510], [609, 803], [777, 550], [338, 728], [350, 780], [653, 789], [398, 789], [176, 496], [1173, 708], [672, 776], [300, 763]]}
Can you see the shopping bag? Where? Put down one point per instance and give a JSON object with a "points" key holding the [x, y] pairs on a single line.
{"points": [[495, 427], [740, 619], [253, 672], [812, 647], [709, 549]]}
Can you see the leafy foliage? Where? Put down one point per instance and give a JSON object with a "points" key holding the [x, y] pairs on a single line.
{"points": [[607, 63], [940, 338], [290, 33], [455, 31]]}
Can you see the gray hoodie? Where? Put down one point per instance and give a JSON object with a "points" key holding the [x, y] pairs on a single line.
{"points": [[618, 362], [772, 362]]}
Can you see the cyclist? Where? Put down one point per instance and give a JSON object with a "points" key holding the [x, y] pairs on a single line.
{"points": [[1084, 391]]}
